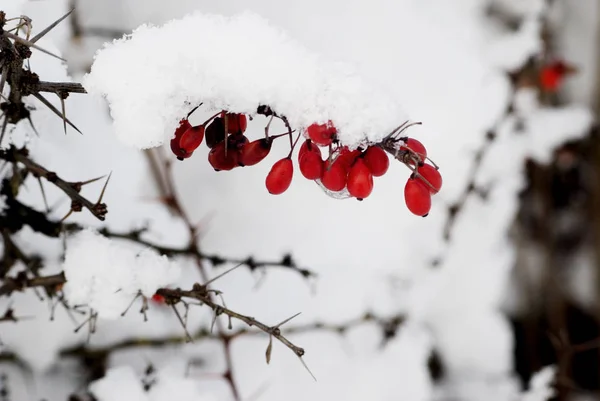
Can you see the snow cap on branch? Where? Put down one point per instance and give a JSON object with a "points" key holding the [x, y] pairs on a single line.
{"points": [[106, 276], [235, 63]]}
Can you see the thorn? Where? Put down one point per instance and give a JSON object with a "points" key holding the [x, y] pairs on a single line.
{"points": [[187, 334], [286, 320], [92, 180], [50, 27], [43, 194], [30, 44], [64, 113], [104, 189], [33, 126], [306, 367], [55, 110], [222, 274], [131, 304], [269, 350], [67, 215]]}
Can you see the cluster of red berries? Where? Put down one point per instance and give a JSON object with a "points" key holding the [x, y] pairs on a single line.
{"points": [[425, 180], [342, 171]]}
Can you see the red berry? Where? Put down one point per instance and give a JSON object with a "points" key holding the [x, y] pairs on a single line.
{"points": [[308, 146], [550, 78], [322, 134], [417, 197], [360, 180], [219, 160], [334, 176], [236, 123], [417, 147], [215, 132], [181, 154], [347, 157], [433, 176], [280, 177], [158, 298], [377, 161], [311, 165], [254, 152], [192, 138], [237, 142]]}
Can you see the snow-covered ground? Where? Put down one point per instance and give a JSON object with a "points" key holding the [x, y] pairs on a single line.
{"points": [[441, 62]]}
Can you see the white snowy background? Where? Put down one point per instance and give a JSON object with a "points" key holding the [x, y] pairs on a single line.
{"points": [[441, 62]]}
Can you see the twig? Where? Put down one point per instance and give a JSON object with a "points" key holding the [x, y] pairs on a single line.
{"points": [[71, 189]]}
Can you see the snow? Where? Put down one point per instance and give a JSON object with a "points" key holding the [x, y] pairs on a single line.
{"points": [[513, 50], [122, 383], [3, 205], [212, 59], [540, 385], [107, 276], [371, 255]]}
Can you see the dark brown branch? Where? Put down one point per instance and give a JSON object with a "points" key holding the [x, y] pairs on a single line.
{"points": [[20, 282], [71, 189], [58, 87], [286, 261]]}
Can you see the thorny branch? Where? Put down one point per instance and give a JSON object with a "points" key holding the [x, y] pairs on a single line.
{"points": [[387, 325], [286, 262], [71, 189]]}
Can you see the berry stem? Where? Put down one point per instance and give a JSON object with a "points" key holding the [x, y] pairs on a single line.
{"points": [[193, 110], [416, 174], [205, 123], [267, 127], [279, 135], [290, 134], [294, 144], [433, 163], [226, 131]]}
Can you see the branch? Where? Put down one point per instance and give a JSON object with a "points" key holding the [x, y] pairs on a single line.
{"points": [[60, 88], [71, 189], [286, 261], [20, 282]]}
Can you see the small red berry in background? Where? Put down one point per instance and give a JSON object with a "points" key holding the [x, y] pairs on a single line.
{"points": [[311, 165], [360, 180], [159, 299], [417, 147], [221, 161], [377, 160], [280, 177], [334, 176], [254, 152], [322, 134], [180, 153], [215, 132], [433, 177], [236, 123], [417, 197], [553, 75], [192, 138]]}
